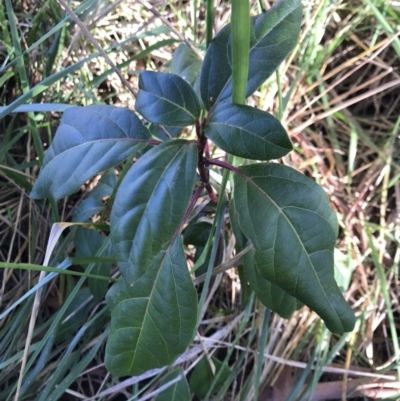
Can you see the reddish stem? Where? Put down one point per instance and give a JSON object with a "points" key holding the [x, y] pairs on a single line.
{"points": [[220, 163], [203, 148]]}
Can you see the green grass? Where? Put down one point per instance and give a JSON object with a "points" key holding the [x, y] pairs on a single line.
{"points": [[345, 136]]}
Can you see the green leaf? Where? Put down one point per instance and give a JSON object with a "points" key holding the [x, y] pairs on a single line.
{"points": [[88, 141], [273, 35], [150, 205], [185, 63], [288, 219], [87, 243], [154, 319], [166, 99], [197, 233], [241, 240], [105, 186], [179, 391], [247, 132], [272, 296], [159, 133], [202, 376], [87, 208]]}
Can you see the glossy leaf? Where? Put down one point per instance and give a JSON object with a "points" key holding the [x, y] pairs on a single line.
{"points": [[154, 319], [166, 99], [160, 134], [185, 63], [269, 294], [88, 141], [248, 132], [178, 391], [288, 219], [272, 296], [273, 35], [150, 205]]}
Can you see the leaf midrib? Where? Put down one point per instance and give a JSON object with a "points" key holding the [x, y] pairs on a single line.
{"points": [[164, 257], [156, 186], [172, 103], [149, 298], [249, 132], [250, 180]]}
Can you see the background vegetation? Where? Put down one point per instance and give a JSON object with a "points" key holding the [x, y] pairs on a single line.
{"points": [[341, 92]]}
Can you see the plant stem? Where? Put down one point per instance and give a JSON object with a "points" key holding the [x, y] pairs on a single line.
{"points": [[240, 49], [204, 177], [225, 165], [209, 21], [203, 147]]}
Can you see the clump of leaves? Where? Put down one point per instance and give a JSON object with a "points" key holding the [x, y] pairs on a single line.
{"points": [[284, 216]]}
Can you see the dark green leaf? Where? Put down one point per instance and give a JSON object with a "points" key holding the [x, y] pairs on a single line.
{"points": [[99, 287], [185, 63], [272, 296], [202, 376], [166, 99], [288, 219], [247, 132], [179, 391], [159, 133], [151, 203], [87, 243], [87, 208], [197, 233], [154, 319], [241, 240], [273, 35], [88, 141]]}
